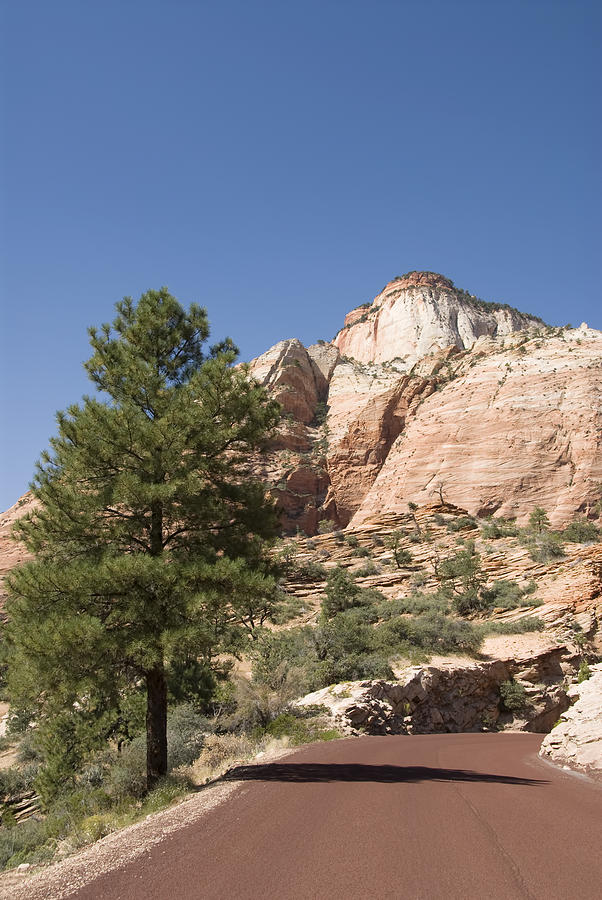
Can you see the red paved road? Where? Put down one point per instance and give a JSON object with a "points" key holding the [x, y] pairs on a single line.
{"points": [[434, 816]]}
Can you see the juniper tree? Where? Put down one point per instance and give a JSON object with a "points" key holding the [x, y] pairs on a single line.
{"points": [[148, 529]]}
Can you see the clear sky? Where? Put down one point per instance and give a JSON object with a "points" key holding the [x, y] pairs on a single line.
{"points": [[278, 162]]}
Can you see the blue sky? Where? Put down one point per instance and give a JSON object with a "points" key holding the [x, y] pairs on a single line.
{"points": [[279, 162]]}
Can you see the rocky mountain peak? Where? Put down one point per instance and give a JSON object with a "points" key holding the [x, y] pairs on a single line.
{"points": [[420, 313]]}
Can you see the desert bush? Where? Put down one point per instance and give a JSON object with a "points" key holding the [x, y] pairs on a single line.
{"points": [[275, 654], [580, 531], [506, 594], [361, 552], [342, 593], [521, 626], [258, 703], [299, 729], [326, 526], [513, 696], [220, 749], [367, 569], [498, 528], [289, 607], [545, 546], [186, 733], [353, 667], [17, 780], [431, 631], [461, 522], [415, 604], [351, 540], [310, 571], [584, 672], [28, 842], [126, 777]]}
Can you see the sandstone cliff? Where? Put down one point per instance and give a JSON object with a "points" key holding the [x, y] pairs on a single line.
{"points": [[508, 425], [420, 313]]}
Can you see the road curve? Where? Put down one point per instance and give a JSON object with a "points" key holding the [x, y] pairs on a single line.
{"points": [[430, 816]]}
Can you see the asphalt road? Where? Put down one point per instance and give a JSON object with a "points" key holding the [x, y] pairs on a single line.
{"points": [[423, 817]]}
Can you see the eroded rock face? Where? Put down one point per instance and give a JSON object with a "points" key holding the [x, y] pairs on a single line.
{"points": [[577, 740], [515, 427], [453, 699], [512, 423], [420, 314], [369, 408]]}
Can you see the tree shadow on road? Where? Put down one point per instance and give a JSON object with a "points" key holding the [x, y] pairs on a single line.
{"points": [[307, 772]]}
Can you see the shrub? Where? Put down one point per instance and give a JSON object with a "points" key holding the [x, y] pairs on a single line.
{"points": [[299, 729], [545, 547], [310, 571], [521, 626], [24, 843], [362, 552], [368, 569], [326, 526], [401, 556], [186, 733], [419, 579], [584, 672], [353, 667], [432, 631], [274, 654], [127, 776], [342, 593], [498, 528], [415, 604], [221, 749], [580, 531], [506, 594], [462, 522], [513, 696]]}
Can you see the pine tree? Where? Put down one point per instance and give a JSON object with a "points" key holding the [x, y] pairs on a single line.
{"points": [[148, 528], [538, 520]]}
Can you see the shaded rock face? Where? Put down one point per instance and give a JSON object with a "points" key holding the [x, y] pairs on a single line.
{"points": [[453, 699], [577, 740], [420, 314]]}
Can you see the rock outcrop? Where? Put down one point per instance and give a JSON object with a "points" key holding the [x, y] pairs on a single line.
{"points": [[577, 740], [418, 314], [433, 699]]}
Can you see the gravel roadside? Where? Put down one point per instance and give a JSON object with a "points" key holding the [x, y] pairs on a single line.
{"points": [[64, 878]]}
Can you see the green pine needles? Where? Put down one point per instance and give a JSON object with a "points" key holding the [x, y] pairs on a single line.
{"points": [[149, 540]]}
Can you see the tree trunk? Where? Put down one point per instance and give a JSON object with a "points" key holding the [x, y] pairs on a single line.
{"points": [[156, 725]]}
